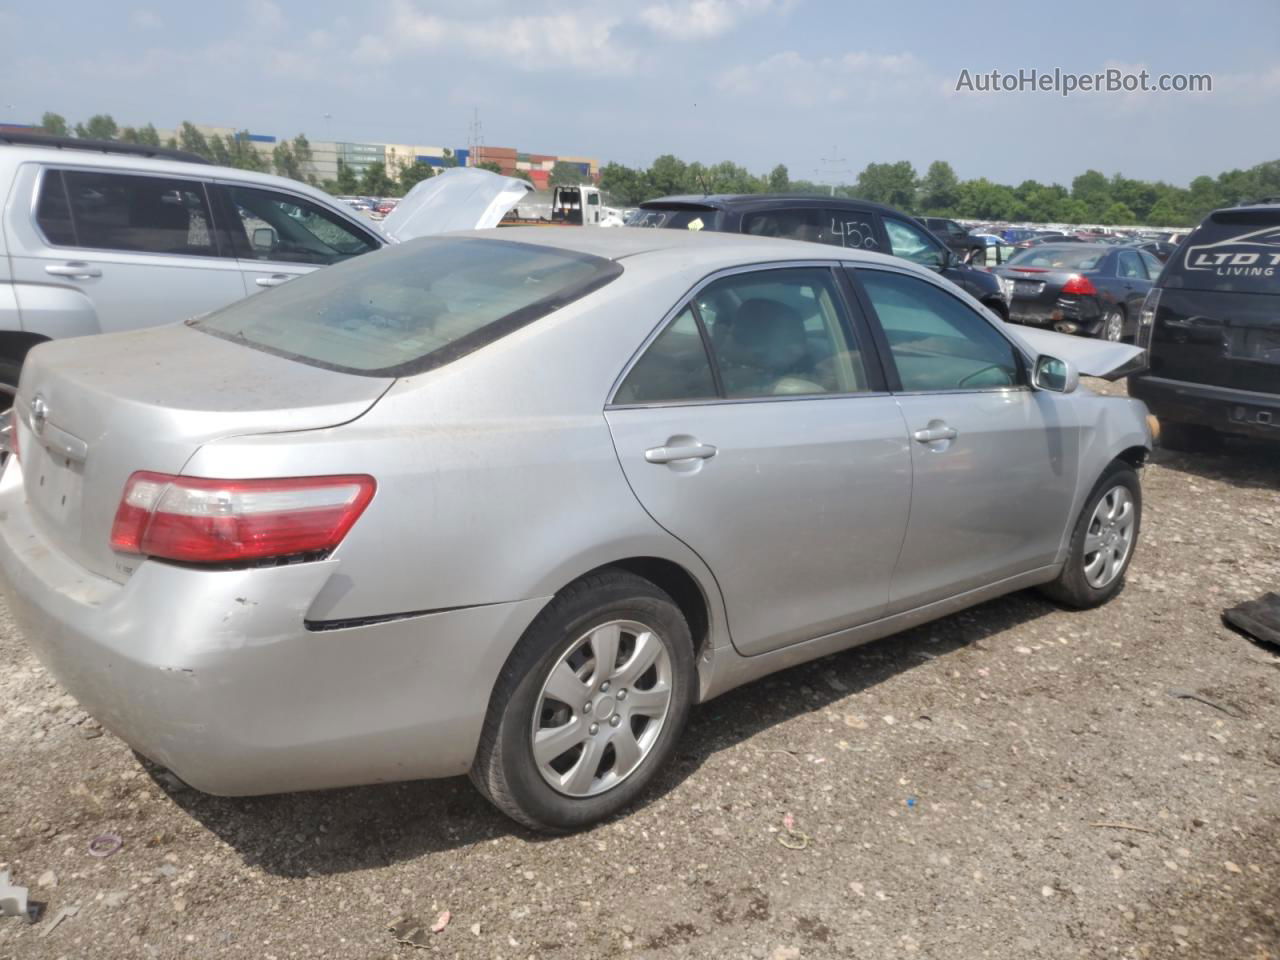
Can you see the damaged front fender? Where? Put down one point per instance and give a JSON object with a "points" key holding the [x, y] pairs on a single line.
{"points": [[1092, 358]]}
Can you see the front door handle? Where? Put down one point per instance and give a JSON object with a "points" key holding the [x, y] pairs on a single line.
{"points": [[937, 430], [76, 270], [273, 281], [671, 453]]}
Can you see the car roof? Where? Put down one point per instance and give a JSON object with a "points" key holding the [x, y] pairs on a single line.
{"points": [[706, 247], [725, 201], [1103, 247], [132, 163]]}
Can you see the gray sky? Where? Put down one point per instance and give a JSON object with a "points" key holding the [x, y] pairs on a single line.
{"points": [[759, 82]]}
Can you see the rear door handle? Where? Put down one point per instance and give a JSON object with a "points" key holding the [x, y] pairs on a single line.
{"points": [[76, 270], [934, 432], [682, 451], [273, 281]]}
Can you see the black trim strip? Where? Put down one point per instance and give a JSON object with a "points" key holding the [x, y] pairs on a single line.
{"points": [[319, 626]]}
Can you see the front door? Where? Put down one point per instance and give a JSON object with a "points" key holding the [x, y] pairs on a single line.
{"points": [[994, 462], [752, 429]]}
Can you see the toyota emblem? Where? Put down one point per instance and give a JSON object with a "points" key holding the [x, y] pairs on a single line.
{"points": [[39, 414]]}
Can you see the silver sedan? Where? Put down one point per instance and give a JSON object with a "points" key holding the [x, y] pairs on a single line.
{"points": [[511, 502]]}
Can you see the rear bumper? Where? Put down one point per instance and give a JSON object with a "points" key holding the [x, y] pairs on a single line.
{"points": [[1066, 314], [213, 674], [1243, 412]]}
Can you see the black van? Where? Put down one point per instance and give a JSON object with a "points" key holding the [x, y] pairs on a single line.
{"points": [[1211, 325]]}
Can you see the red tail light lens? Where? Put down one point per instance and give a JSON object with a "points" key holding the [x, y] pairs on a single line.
{"points": [[1079, 285], [196, 520]]}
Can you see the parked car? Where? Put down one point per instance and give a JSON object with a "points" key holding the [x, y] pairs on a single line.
{"points": [[1160, 249], [837, 221], [511, 506], [1043, 238], [98, 236], [956, 238], [1212, 330], [992, 251], [1092, 289]]}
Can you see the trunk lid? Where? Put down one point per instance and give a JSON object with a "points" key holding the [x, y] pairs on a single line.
{"points": [[462, 198], [95, 409], [1226, 339]]}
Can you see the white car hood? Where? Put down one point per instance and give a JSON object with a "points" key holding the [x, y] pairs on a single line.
{"points": [[1093, 358], [461, 198]]}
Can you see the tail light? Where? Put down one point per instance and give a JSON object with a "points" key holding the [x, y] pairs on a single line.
{"points": [[1079, 285], [1147, 318], [196, 520]]}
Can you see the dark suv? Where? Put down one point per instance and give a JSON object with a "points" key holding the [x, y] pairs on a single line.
{"points": [[1212, 328], [838, 221], [958, 240]]}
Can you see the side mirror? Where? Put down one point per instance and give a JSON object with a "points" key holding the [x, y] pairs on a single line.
{"points": [[1054, 375], [945, 260], [264, 239]]}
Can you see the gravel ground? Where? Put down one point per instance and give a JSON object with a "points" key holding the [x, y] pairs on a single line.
{"points": [[1013, 781]]}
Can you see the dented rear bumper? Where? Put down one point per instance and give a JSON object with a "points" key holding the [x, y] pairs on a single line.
{"points": [[215, 675]]}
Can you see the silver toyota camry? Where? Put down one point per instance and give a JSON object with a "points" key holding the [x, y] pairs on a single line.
{"points": [[511, 502]]}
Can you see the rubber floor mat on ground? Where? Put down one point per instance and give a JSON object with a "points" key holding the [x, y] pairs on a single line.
{"points": [[1258, 618]]}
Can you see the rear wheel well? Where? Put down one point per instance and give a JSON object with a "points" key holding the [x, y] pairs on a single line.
{"points": [[14, 344], [681, 586]]}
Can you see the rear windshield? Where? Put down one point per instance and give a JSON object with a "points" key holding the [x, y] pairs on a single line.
{"points": [[675, 219], [1231, 251], [411, 307], [1057, 258]]}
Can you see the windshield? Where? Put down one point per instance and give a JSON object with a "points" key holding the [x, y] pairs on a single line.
{"points": [[1057, 258], [413, 307], [1232, 251], [675, 219]]}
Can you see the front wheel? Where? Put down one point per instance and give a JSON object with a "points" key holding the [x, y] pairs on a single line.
{"points": [[1102, 541], [589, 706]]}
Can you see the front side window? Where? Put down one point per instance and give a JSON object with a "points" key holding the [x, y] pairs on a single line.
{"points": [[937, 342], [413, 307], [118, 211], [287, 229], [912, 243]]}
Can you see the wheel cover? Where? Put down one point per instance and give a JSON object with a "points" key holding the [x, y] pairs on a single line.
{"points": [[1114, 330], [602, 708], [1109, 539]]}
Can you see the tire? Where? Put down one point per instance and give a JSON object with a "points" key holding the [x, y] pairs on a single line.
{"points": [[566, 635], [999, 308], [1112, 326], [1076, 586], [1189, 437]]}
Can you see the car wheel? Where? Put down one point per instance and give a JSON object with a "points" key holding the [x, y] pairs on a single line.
{"points": [[1112, 327], [999, 308], [1102, 541], [589, 706], [1189, 437]]}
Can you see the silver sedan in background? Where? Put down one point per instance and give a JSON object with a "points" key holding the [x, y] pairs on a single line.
{"points": [[510, 503]]}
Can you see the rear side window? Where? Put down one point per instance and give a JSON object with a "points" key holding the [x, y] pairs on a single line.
{"points": [[674, 368], [1130, 267], [1231, 251], [413, 307], [1058, 258], [676, 219], [798, 223], [53, 213], [116, 211]]}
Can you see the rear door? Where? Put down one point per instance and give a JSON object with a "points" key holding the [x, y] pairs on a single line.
{"points": [[755, 428], [277, 236], [1134, 284], [994, 463], [142, 249]]}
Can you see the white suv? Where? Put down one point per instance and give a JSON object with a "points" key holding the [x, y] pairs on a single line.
{"points": [[97, 237]]}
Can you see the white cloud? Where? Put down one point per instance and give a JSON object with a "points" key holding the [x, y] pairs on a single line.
{"points": [[799, 81], [145, 19], [538, 42], [265, 15], [699, 19]]}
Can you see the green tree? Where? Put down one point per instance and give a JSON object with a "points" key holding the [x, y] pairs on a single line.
{"points": [[449, 159], [218, 151], [54, 124], [938, 188], [284, 162], [411, 174], [522, 175], [128, 135], [148, 137], [565, 174], [1118, 214], [1093, 190], [99, 127], [779, 179], [376, 182], [193, 141], [669, 175], [1167, 213], [489, 165], [625, 186], [348, 182], [890, 183]]}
